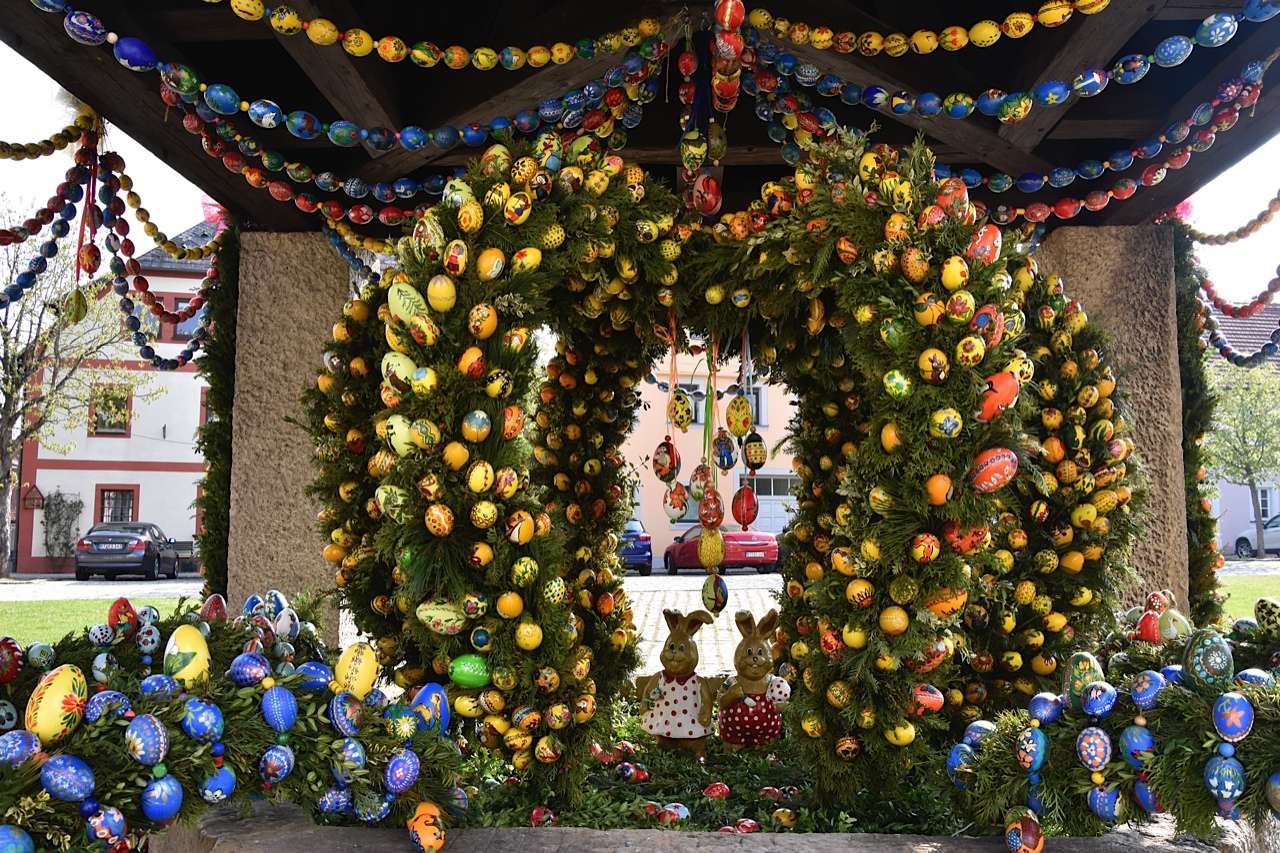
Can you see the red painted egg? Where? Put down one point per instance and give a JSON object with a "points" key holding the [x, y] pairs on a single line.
{"points": [[745, 506], [985, 244], [711, 509], [1000, 393], [993, 469]]}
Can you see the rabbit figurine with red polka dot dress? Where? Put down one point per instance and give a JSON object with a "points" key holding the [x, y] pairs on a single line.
{"points": [[676, 704], [752, 703]]}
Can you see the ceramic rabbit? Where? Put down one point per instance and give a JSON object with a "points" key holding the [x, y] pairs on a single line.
{"points": [[676, 704], [751, 706]]}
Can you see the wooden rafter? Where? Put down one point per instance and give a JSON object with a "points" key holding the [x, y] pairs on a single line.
{"points": [[1094, 43], [208, 23], [1194, 10], [1106, 128]]}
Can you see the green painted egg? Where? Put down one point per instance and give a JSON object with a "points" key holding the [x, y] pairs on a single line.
{"points": [[469, 671], [1081, 670], [1208, 661]]}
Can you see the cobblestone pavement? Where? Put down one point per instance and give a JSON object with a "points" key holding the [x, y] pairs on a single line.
{"points": [[49, 588], [650, 596], [1269, 566]]}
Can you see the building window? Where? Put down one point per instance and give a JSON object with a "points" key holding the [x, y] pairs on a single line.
{"points": [[757, 397], [771, 485], [117, 504], [187, 328], [150, 322], [698, 397], [1264, 503], [110, 410]]}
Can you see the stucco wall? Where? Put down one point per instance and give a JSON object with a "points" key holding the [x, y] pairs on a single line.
{"points": [[292, 287], [1123, 275]]}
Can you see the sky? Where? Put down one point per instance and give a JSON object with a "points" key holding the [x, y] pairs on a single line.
{"points": [[1240, 270]]}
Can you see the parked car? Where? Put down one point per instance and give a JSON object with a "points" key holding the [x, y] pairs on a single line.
{"points": [[753, 548], [636, 548], [1246, 544], [126, 548]]}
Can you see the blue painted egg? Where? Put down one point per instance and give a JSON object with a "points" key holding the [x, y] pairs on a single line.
{"points": [[500, 127], [303, 125], [977, 731], [316, 675], [57, 6], [287, 623], [875, 97], [999, 182], [334, 800], [526, 121], [1173, 51], [84, 28], [276, 763], [343, 133], [327, 181], [161, 799], [17, 746], [1098, 699], [632, 115], [107, 703], [432, 705], [989, 102], [1031, 747], [220, 786], [1130, 69], [248, 668], [1214, 31], [1174, 134], [346, 712], [785, 64], [1090, 82], [380, 138], [928, 104], [253, 604], [1045, 707], [1135, 740], [1146, 149], [1145, 688], [159, 686], [1233, 716], [279, 708], [457, 802], [807, 74], [147, 739], [67, 778], [413, 137], [14, 839], [1208, 662], [1090, 169], [265, 114], [1061, 176], [202, 720], [376, 700], [551, 110], [1105, 802], [222, 99], [402, 771], [134, 54], [1253, 675], [351, 757], [444, 138], [1203, 113], [104, 829], [1258, 11], [1093, 748], [1243, 629], [828, 85], [374, 811], [406, 187], [1273, 792], [1051, 93], [1224, 777], [850, 94], [1145, 796], [1172, 673], [1031, 182], [901, 103]]}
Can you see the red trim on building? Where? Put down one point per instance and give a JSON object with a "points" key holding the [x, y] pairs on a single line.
{"points": [[199, 511], [132, 364], [159, 273], [204, 405], [27, 467], [120, 465], [99, 488]]}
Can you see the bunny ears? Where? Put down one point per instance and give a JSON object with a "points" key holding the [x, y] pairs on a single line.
{"points": [[677, 621], [747, 623]]}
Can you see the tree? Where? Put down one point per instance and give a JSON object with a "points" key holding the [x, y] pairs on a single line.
{"points": [[63, 351], [1244, 446]]}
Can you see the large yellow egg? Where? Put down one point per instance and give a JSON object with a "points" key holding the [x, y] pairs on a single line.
{"points": [[356, 670], [250, 10], [984, 33], [528, 635], [56, 706], [442, 294], [901, 735], [357, 42], [186, 656], [404, 302], [456, 455], [490, 263], [322, 31]]}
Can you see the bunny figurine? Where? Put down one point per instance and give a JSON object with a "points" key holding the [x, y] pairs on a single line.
{"points": [[675, 704], [751, 707]]}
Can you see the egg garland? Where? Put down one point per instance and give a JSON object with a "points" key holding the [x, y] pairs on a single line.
{"points": [[1253, 226], [1218, 339]]}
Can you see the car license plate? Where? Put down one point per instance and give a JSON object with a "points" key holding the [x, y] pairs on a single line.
{"points": [[111, 546], [755, 553]]}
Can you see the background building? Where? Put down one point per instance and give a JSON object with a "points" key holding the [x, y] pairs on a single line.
{"points": [[143, 467], [771, 407]]}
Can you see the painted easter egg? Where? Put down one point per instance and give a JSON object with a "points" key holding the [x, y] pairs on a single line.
{"points": [[402, 771], [104, 666], [1022, 833], [1082, 669], [1224, 777], [1273, 792], [993, 468], [738, 417], [1134, 742], [248, 668], [985, 244], [1173, 625], [316, 675], [1145, 797], [147, 739], [745, 506], [56, 706], [67, 778], [978, 731], [675, 501], [715, 593], [1208, 662], [219, 786], [17, 746], [441, 616], [1265, 610], [405, 303], [214, 608], [1233, 716], [754, 451], [276, 763], [356, 670], [279, 708], [84, 27], [100, 636], [334, 800], [186, 656], [710, 547], [14, 839], [202, 720], [1045, 707], [351, 756], [10, 659], [527, 259], [680, 410], [1093, 748], [469, 671], [476, 426], [160, 686], [723, 451], [959, 761], [1031, 748], [162, 798], [1145, 688], [1098, 698], [123, 619], [346, 712], [287, 624], [1105, 802], [104, 828]]}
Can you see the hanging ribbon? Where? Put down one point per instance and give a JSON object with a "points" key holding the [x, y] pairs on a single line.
{"points": [[673, 376]]}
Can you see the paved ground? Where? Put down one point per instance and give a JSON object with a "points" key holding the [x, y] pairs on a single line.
{"points": [[54, 587], [1269, 566]]}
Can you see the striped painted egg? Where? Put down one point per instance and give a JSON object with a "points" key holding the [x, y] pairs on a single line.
{"points": [[147, 739], [84, 28], [106, 703], [279, 708], [67, 778], [17, 746]]}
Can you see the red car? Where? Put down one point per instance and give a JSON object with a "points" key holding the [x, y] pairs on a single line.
{"points": [[741, 548]]}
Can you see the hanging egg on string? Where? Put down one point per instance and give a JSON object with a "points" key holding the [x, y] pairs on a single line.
{"points": [[666, 460], [161, 800], [680, 410], [67, 778], [1233, 716], [711, 508], [276, 764], [105, 828], [715, 593], [699, 481], [745, 506], [675, 501], [1093, 748], [737, 416], [724, 451], [754, 451], [219, 786]]}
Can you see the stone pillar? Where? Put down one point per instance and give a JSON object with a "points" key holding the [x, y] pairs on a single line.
{"points": [[1123, 275], [292, 287]]}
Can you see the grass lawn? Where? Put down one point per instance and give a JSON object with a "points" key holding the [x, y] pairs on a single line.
{"points": [[1245, 590], [49, 621]]}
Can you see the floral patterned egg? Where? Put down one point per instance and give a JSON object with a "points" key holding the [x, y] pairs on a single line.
{"points": [[737, 416], [17, 746], [1145, 688], [745, 506], [666, 461], [711, 509], [84, 28], [402, 771], [1045, 707], [56, 706], [201, 720], [1105, 802], [161, 800], [680, 410], [985, 244], [220, 786], [1134, 741], [1093, 748], [1098, 698], [754, 451], [1208, 661], [1022, 833], [67, 778], [1031, 748], [959, 760], [351, 757], [346, 711], [10, 659], [675, 501], [1233, 716], [105, 828], [1265, 610], [724, 451], [1081, 670], [279, 708], [147, 739], [248, 668], [700, 481], [276, 764], [1224, 777]]}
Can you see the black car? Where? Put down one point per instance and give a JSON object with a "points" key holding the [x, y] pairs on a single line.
{"points": [[126, 548]]}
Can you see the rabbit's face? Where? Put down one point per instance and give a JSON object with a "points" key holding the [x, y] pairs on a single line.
{"points": [[752, 659], [679, 654]]}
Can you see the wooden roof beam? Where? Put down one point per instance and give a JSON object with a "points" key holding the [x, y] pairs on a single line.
{"points": [[1194, 10], [207, 23], [1094, 43]]}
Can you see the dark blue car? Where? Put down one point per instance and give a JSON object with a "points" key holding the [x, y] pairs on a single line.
{"points": [[636, 549]]}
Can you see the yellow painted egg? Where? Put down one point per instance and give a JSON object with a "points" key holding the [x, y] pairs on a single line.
{"points": [[497, 196], [894, 621], [897, 227], [561, 53], [397, 339], [456, 57], [490, 263], [539, 56], [441, 616], [442, 293], [398, 369], [250, 10], [399, 438], [357, 42], [813, 725], [510, 604], [424, 434], [392, 49], [456, 455], [439, 520], [322, 31], [482, 321], [955, 272], [738, 416], [470, 217], [471, 363], [902, 734], [527, 259], [1054, 13], [498, 383], [423, 381], [597, 181], [528, 635], [285, 20], [929, 309], [520, 527], [56, 706], [356, 670], [476, 426], [953, 38], [895, 44], [480, 476], [404, 302], [924, 41], [484, 58], [984, 33], [484, 514]]}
